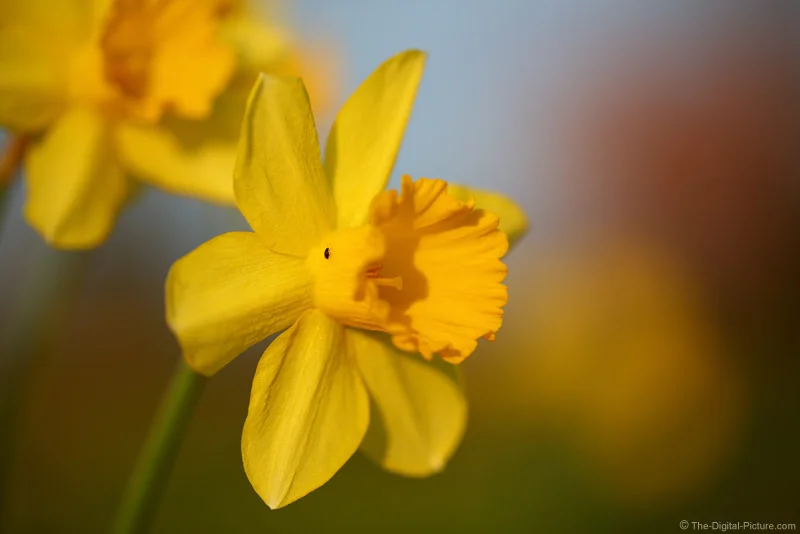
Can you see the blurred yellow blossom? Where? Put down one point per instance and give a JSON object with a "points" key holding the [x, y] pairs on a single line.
{"points": [[624, 355], [361, 277], [110, 90]]}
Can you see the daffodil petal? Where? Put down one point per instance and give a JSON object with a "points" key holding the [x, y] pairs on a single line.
{"points": [[308, 411], [512, 219], [158, 156], [422, 411], [279, 181], [265, 47], [75, 184], [65, 23], [38, 41], [367, 133], [258, 45], [33, 76], [229, 294], [189, 157]]}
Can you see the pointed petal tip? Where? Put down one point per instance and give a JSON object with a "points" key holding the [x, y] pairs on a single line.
{"points": [[266, 76], [437, 464], [271, 498], [274, 502], [416, 52], [59, 238], [411, 55], [433, 465]]}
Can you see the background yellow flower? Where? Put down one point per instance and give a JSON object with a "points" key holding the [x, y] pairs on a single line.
{"points": [[115, 90]]}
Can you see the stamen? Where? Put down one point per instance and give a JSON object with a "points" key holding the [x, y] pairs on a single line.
{"points": [[374, 275], [396, 282]]}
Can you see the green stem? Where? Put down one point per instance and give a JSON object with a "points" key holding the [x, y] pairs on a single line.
{"points": [[151, 474]]}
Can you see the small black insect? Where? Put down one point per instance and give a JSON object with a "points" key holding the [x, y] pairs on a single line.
{"points": [[327, 253]]}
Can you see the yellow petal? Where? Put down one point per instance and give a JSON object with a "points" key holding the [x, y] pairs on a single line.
{"points": [[159, 156], [262, 45], [64, 23], [75, 184], [33, 75], [258, 44], [367, 133], [279, 182], [308, 411], [320, 65], [188, 157], [229, 294], [38, 43], [512, 219], [422, 411]]}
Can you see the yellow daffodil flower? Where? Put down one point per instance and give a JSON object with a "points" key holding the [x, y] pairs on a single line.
{"points": [[107, 90], [360, 278]]}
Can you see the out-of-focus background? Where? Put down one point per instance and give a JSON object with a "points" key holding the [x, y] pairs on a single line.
{"points": [[647, 369]]}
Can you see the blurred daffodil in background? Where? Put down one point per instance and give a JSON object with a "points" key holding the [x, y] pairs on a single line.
{"points": [[360, 277], [627, 364], [111, 92]]}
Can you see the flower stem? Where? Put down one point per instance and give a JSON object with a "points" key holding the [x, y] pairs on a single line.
{"points": [[151, 474]]}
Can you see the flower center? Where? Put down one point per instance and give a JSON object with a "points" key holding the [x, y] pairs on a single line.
{"points": [[166, 55], [426, 270]]}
